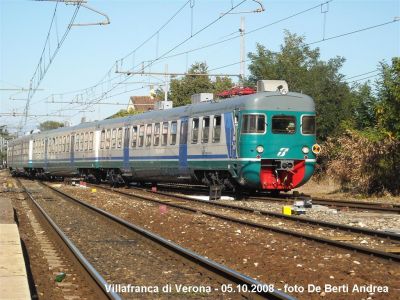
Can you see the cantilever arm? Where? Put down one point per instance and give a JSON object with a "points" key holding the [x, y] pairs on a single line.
{"points": [[105, 22]]}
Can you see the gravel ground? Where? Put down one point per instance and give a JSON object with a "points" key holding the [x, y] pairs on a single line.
{"points": [[122, 256], [372, 220], [321, 231], [327, 188], [41, 273], [269, 257]]}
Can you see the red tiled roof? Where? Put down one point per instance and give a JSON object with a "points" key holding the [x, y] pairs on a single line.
{"points": [[143, 103]]}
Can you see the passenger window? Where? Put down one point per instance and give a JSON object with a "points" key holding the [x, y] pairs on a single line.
{"points": [[102, 139], [108, 138], [156, 134], [119, 138], [173, 132], [68, 143], [164, 139], [76, 142], [195, 130], [284, 124], [141, 136], [206, 130], [308, 125], [81, 142], [134, 136], [114, 138], [149, 129], [253, 123], [217, 129], [86, 142], [91, 141]]}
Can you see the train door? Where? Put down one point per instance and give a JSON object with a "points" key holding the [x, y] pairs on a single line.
{"points": [[183, 144], [230, 134], [30, 153], [126, 148]]}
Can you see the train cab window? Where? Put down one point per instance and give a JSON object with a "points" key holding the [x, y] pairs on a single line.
{"points": [[81, 142], [141, 136], [284, 124], [156, 141], [149, 129], [102, 139], [108, 138], [174, 127], [134, 136], [113, 138], [195, 130], [253, 123], [308, 125], [164, 137], [205, 130], [90, 140], [119, 138], [85, 142], [216, 129]]}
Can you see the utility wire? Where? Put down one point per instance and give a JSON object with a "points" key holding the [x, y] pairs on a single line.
{"points": [[93, 102], [247, 32], [362, 74], [32, 91], [353, 32], [363, 78], [320, 41]]}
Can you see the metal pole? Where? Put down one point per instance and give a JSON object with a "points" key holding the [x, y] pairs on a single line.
{"points": [[166, 85], [242, 51]]}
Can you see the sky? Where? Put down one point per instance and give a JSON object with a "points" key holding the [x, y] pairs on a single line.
{"points": [[83, 71]]}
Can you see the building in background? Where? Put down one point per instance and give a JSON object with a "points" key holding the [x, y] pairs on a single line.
{"points": [[141, 103]]}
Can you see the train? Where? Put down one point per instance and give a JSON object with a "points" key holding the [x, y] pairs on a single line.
{"points": [[261, 141]]}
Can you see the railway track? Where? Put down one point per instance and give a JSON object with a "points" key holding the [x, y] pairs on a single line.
{"points": [[348, 237], [358, 205], [87, 272], [157, 253]]}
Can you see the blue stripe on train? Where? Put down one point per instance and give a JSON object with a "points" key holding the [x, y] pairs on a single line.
{"points": [[200, 156]]}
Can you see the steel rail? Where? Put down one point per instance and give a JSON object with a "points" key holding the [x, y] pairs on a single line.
{"points": [[338, 203], [385, 207], [209, 264], [323, 240], [354, 229], [101, 282]]}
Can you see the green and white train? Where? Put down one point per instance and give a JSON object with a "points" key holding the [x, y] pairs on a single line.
{"points": [[263, 141]]}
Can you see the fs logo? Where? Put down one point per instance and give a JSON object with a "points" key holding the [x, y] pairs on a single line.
{"points": [[282, 152]]}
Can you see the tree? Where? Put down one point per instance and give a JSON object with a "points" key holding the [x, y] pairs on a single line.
{"points": [[124, 113], [183, 88], [364, 107], [305, 72], [49, 125], [388, 108]]}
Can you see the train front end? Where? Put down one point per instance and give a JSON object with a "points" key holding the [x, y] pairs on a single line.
{"points": [[277, 143]]}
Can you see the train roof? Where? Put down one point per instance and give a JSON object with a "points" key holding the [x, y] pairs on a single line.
{"points": [[273, 101]]}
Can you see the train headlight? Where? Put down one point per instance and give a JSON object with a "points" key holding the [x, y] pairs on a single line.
{"points": [[260, 149], [316, 149], [305, 149]]}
